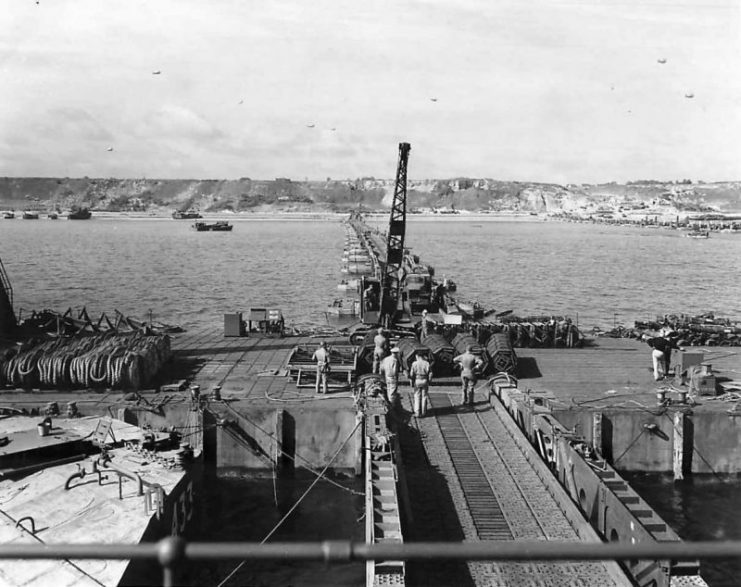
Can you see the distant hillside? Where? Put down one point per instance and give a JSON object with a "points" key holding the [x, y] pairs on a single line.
{"points": [[244, 195]]}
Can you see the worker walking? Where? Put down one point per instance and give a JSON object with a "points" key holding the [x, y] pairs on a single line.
{"points": [[469, 363], [390, 369], [321, 356], [420, 374], [380, 350]]}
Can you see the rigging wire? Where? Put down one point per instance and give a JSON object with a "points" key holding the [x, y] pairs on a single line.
{"points": [[293, 458], [300, 499]]}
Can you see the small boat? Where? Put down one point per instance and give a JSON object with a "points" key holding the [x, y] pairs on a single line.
{"points": [[9, 215], [30, 215], [698, 234], [342, 307], [220, 226], [79, 214], [52, 216], [189, 214]]}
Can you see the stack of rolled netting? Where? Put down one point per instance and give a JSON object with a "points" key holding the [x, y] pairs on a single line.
{"points": [[110, 360]]}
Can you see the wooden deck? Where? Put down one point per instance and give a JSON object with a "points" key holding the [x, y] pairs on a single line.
{"points": [[254, 371], [253, 368]]}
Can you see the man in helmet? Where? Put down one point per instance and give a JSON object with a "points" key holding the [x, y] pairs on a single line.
{"points": [[420, 374], [380, 350], [390, 368], [469, 364], [321, 356]]}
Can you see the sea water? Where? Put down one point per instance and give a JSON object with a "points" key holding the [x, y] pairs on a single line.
{"points": [[162, 268]]}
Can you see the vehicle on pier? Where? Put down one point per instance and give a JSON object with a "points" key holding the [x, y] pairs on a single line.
{"points": [[343, 307], [351, 285]]}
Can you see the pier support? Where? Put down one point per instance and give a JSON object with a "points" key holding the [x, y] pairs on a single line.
{"points": [[597, 432], [678, 446], [278, 445]]}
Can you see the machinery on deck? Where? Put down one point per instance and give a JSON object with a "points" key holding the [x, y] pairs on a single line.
{"points": [[380, 296], [391, 271]]}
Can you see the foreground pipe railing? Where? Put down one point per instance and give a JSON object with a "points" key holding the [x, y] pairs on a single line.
{"points": [[170, 551]]}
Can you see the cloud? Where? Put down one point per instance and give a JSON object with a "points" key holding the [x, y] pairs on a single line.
{"points": [[67, 123], [177, 122]]}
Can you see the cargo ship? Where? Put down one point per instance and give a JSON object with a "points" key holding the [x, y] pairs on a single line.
{"points": [[219, 226], [78, 213], [189, 214]]}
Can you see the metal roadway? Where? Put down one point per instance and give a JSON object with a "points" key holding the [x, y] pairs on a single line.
{"points": [[468, 480]]}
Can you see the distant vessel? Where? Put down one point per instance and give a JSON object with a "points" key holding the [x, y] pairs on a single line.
{"points": [[9, 216], [186, 214], [52, 216], [220, 226], [30, 215], [79, 214], [698, 234]]}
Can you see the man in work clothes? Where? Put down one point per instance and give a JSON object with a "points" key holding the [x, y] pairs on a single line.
{"points": [[469, 364], [390, 369], [420, 374], [661, 355], [380, 350], [427, 324], [321, 356]]}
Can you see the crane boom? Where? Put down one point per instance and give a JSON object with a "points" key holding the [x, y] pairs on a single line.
{"points": [[390, 279]]}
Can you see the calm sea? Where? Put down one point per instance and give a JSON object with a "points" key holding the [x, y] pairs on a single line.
{"points": [[602, 275]]}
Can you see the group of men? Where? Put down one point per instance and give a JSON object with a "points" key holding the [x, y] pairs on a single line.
{"points": [[387, 362]]}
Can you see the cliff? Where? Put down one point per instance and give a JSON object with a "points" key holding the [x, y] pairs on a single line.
{"points": [[463, 194]]}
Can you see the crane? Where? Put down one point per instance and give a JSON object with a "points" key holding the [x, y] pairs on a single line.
{"points": [[390, 277]]}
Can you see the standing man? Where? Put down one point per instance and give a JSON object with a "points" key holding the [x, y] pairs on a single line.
{"points": [[469, 364], [380, 350], [390, 369], [661, 355], [420, 375], [321, 356], [426, 324]]}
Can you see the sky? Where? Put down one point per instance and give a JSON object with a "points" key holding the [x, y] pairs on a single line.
{"points": [[545, 90]]}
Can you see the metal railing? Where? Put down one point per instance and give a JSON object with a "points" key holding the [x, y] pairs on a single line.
{"points": [[169, 552]]}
